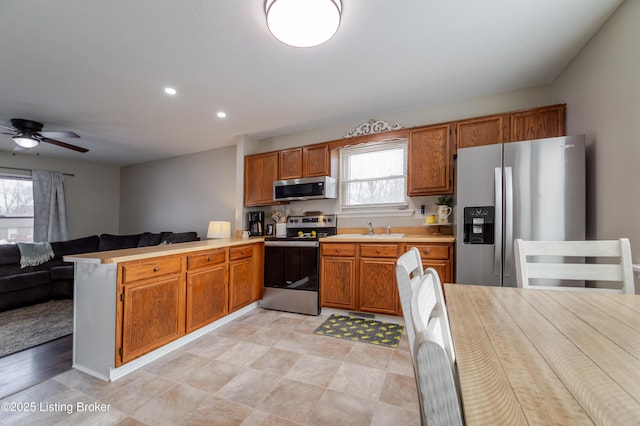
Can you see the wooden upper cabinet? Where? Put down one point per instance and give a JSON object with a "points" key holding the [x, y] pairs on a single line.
{"points": [[290, 161], [259, 173], [545, 122], [316, 160], [429, 165], [482, 131], [307, 161]]}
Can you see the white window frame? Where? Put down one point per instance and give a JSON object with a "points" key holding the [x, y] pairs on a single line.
{"points": [[5, 219], [384, 145]]}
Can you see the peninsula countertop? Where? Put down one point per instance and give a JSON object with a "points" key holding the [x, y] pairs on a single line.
{"points": [[126, 255]]}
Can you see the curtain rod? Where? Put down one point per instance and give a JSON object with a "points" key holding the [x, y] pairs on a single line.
{"points": [[30, 170]]}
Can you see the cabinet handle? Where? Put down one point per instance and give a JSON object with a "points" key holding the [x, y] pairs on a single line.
{"points": [[156, 269], [378, 251], [426, 251], [337, 250], [209, 259], [242, 252]]}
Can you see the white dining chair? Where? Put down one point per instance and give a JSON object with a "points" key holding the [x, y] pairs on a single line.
{"points": [[408, 274], [434, 355], [616, 254]]}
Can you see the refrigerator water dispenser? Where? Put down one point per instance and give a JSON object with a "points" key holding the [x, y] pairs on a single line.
{"points": [[479, 225]]}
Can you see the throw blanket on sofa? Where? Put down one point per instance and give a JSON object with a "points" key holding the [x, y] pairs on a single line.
{"points": [[34, 254]]}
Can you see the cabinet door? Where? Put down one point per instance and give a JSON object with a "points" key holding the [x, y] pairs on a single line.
{"points": [[316, 161], [206, 296], [154, 315], [290, 162], [546, 122], [259, 173], [338, 282], [242, 284], [430, 170], [378, 287], [482, 131]]}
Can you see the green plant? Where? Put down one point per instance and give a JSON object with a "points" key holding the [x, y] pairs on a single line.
{"points": [[445, 200]]}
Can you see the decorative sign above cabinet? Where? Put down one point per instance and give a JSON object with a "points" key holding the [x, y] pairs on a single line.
{"points": [[372, 127]]}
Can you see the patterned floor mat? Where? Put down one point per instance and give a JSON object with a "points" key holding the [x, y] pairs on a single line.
{"points": [[362, 330]]}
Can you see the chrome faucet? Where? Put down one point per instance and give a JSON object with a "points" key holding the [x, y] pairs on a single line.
{"points": [[370, 228], [388, 229]]}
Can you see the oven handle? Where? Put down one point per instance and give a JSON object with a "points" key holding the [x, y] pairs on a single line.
{"points": [[291, 244]]}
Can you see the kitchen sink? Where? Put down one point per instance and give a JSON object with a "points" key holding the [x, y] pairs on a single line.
{"points": [[369, 236]]}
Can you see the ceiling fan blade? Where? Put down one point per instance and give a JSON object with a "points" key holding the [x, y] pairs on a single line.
{"points": [[8, 128], [5, 133], [60, 134], [64, 145]]}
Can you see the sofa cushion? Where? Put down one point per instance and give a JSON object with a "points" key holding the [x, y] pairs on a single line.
{"points": [[181, 237], [117, 242], [64, 272], [80, 245], [149, 239], [24, 281], [9, 253]]}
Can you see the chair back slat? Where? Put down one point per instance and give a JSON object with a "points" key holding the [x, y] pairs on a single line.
{"points": [[539, 260], [408, 274]]}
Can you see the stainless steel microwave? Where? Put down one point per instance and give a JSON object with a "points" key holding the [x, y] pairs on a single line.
{"points": [[312, 188]]}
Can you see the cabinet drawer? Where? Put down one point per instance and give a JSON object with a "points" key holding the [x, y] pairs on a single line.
{"points": [[135, 271], [201, 259], [379, 250], [240, 252], [430, 251], [333, 249]]}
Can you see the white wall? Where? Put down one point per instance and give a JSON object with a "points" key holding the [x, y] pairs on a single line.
{"points": [[601, 87], [92, 195], [179, 194]]}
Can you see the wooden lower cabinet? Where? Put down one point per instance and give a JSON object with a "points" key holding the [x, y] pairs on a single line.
{"points": [[206, 288], [362, 277], [243, 277], [163, 298], [153, 315]]}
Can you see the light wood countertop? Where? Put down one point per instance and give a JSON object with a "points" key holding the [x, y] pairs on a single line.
{"points": [[126, 255], [527, 356], [381, 238]]}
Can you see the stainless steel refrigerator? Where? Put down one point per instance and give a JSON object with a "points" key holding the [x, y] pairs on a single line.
{"points": [[534, 190]]}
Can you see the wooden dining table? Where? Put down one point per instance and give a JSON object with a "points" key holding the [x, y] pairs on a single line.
{"points": [[528, 356]]}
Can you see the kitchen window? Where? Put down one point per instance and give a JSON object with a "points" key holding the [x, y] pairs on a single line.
{"points": [[16, 209], [374, 176]]}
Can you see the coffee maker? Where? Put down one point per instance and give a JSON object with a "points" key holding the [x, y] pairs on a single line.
{"points": [[256, 223]]}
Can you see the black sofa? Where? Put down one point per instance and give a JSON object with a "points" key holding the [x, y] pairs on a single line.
{"points": [[54, 278]]}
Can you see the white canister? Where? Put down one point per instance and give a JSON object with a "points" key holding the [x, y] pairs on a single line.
{"points": [[281, 230]]}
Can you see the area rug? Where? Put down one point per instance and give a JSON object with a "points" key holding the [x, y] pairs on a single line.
{"points": [[362, 330], [23, 328]]}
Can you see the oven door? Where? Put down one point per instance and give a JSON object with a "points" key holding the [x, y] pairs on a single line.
{"points": [[291, 265]]}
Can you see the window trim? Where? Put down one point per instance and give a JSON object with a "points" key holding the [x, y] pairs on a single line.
{"points": [[387, 144]]}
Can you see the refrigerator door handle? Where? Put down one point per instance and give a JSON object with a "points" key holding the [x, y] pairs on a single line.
{"points": [[497, 251], [508, 220]]}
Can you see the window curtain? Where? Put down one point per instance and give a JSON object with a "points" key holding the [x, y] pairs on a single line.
{"points": [[49, 211]]}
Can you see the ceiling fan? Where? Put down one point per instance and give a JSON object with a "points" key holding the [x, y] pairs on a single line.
{"points": [[28, 134]]}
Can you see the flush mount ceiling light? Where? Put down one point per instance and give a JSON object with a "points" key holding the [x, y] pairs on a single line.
{"points": [[303, 23], [170, 91], [26, 141]]}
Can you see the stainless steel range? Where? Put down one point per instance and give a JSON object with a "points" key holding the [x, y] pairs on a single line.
{"points": [[291, 265]]}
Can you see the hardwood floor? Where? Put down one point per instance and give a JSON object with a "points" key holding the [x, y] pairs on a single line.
{"points": [[35, 365]]}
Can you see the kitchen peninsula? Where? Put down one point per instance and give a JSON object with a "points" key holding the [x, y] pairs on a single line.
{"points": [[132, 306]]}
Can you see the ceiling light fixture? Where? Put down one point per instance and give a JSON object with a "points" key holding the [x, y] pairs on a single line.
{"points": [[26, 141], [221, 114], [303, 23], [170, 91]]}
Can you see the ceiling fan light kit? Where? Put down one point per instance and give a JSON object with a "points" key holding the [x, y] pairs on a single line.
{"points": [[303, 23], [28, 134]]}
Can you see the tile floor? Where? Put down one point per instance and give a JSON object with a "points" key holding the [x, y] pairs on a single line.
{"points": [[264, 368]]}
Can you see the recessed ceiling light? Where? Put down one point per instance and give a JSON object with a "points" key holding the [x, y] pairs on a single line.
{"points": [[170, 91], [221, 114]]}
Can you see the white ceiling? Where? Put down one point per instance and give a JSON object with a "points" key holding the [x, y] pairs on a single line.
{"points": [[98, 68]]}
